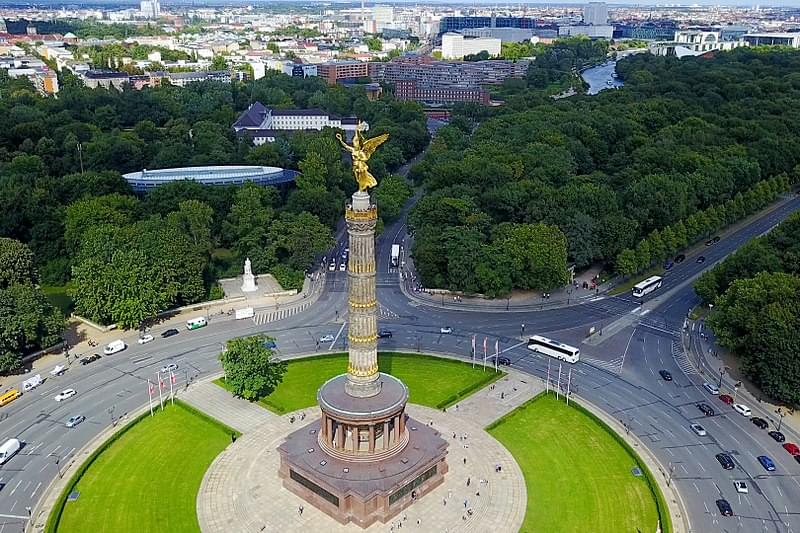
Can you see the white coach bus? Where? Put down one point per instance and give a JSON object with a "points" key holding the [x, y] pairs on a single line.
{"points": [[647, 286], [555, 349]]}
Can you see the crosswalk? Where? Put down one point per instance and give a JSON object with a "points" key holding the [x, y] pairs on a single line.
{"points": [[386, 314], [614, 365], [681, 359], [274, 315]]}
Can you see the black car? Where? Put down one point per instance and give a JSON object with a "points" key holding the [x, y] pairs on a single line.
{"points": [[666, 375], [90, 359], [502, 360], [724, 508], [169, 333], [716, 239], [701, 259], [706, 409], [725, 460], [796, 458], [680, 258], [384, 334], [760, 423], [777, 436]]}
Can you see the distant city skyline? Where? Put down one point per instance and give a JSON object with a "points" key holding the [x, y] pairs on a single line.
{"points": [[259, 3]]}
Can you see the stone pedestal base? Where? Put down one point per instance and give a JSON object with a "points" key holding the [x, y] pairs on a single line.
{"points": [[249, 283], [363, 492]]}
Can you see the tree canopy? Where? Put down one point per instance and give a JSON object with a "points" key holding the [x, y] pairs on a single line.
{"points": [[251, 370]]}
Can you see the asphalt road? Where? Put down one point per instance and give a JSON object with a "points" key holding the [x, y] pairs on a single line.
{"points": [[620, 375]]}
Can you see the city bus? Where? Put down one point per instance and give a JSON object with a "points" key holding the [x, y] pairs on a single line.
{"points": [[554, 349], [196, 323], [647, 286], [9, 397]]}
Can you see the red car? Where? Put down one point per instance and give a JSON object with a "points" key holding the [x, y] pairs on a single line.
{"points": [[791, 448], [726, 399]]}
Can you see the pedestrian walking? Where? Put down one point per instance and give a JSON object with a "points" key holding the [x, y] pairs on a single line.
{"points": [[300, 510], [444, 502], [468, 481], [465, 460], [466, 503]]}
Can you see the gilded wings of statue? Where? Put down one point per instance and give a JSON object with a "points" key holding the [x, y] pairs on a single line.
{"points": [[361, 150]]}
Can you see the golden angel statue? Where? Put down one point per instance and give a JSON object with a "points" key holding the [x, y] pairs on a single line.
{"points": [[361, 150]]}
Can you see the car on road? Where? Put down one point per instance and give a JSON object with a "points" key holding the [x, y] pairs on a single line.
{"points": [[706, 409], [797, 458], [65, 395], [332, 266], [384, 334], [680, 258], [665, 375], [169, 333], [502, 360], [699, 430], [326, 338], [766, 462], [711, 388], [742, 409], [725, 461], [74, 421], [760, 423], [342, 266], [668, 264], [446, 330], [724, 508], [741, 487], [270, 344], [701, 259], [144, 339], [90, 359], [114, 347], [791, 448], [777, 436], [726, 399], [166, 369]]}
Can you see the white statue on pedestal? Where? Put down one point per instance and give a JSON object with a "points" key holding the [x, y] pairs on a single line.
{"points": [[248, 280]]}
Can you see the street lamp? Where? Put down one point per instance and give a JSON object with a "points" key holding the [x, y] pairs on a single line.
{"points": [[781, 413], [522, 331], [736, 390], [671, 470], [58, 465], [722, 372]]}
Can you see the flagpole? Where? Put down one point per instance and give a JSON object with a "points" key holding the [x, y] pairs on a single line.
{"points": [[485, 340], [160, 386], [150, 396], [171, 394], [569, 381], [558, 383], [496, 353], [547, 383], [473, 351]]}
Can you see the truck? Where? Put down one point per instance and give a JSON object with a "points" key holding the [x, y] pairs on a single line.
{"points": [[32, 382], [395, 254]]}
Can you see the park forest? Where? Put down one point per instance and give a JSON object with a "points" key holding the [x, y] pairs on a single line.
{"points": [[69, 219], [626, 177]]}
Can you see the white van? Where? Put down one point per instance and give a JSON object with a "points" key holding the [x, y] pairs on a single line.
{"points": [[742, 409], [9, 449], [196, 323], [114, 347], [32, 382]]}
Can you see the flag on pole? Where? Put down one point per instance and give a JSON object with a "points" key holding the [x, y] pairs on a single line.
{"points": [[160, 388], [473, 351], [558, 383], [569, 382], [485, 350], [547, 383], [171, 382], [150, 391], [496, 353]]}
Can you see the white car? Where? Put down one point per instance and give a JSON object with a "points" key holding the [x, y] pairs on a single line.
{"points": [[144, 339], [342, 266], [326, 338], [741, 487], [65, 395], [446, 330], [742, 409], [711, 388], [332, 266], [172, 367], [700, 430]]}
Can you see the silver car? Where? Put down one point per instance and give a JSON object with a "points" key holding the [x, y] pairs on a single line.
{"points": [[74, 421]]}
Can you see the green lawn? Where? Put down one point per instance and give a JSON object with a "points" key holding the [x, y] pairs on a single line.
{"points": [[431, 381], [148, 479], [578, 476]]}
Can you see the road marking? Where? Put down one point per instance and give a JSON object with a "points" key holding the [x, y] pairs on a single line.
{"points": [[644, 312], [336, 338], [43, 468], [33, 494], [504, 350], [636, 310], [16, 487], [696, 487], [701, 467], [141, 360], [779, 490]]}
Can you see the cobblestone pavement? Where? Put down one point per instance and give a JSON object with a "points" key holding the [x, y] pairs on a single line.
{"points": [[241, 491], [218, 403]]}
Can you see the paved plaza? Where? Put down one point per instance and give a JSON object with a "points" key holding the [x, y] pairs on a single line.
{"points": [[242, 492]]}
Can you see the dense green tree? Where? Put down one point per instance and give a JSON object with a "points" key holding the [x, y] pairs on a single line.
{"points": [[16, 264], [251, 369], [537, 254], [28, 322]]}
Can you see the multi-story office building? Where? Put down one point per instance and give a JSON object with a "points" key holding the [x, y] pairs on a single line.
{"points": [[105, 78], [335, 71], [594, 32], [456, 46], [773, 39], [448, 24], [506, 35], [413, 90], [430, 72], [150, 9], [596, 14]]}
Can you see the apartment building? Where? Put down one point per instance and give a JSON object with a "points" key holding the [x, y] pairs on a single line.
{"points": [[335, 71]]}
